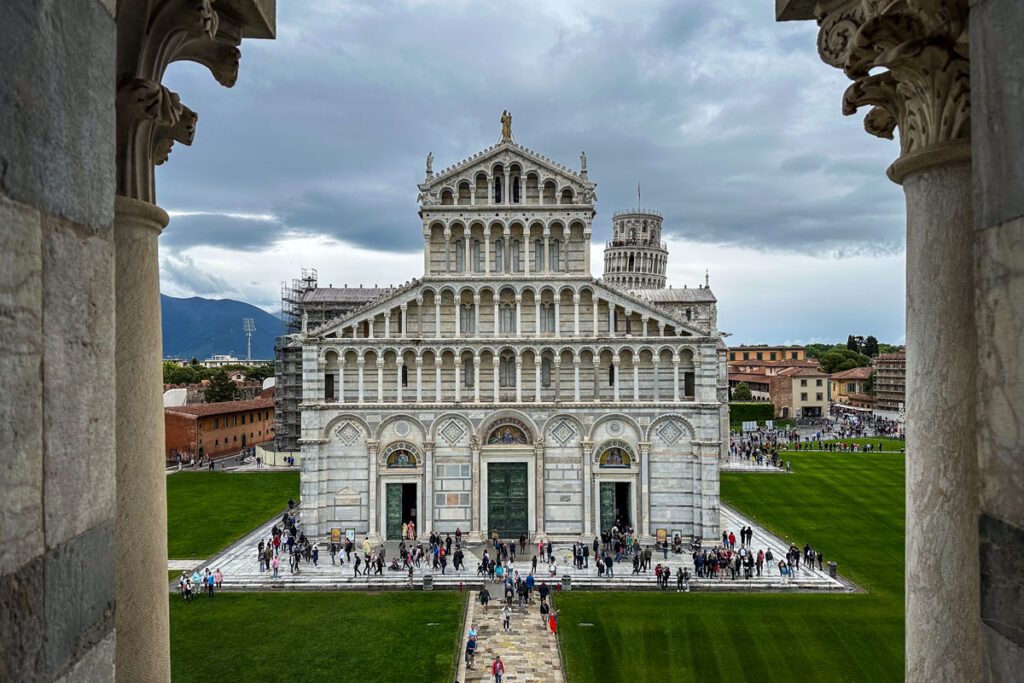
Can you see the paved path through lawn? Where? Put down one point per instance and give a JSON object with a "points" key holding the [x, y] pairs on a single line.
{"points": [[529, 651]]}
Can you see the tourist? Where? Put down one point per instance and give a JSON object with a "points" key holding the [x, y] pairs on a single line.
{"points": [[470, 650], [544, 609], [506, 619], [218, 577], [209, 583], [769, 558], [498, 669], [485, 597], [553, 622]]}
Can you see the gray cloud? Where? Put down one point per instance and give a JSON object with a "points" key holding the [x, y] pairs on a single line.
{"points": [[728, 121]]}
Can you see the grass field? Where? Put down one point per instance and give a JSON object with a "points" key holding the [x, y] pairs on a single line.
{"points": [[311, 637], [207, 511], [850, 506]]}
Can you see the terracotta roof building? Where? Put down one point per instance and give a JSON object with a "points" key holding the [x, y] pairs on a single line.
{"points": [[217, 429]]}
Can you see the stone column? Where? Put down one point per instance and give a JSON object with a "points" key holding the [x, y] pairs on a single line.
{"points": [[419, 380], [519, 309], [399, 364], [141, 619], [613, 319], [537, 322], [556, 370], [576, 379], [537, 361], [419, 317], [476, 379], [371, 519], [526, 250], [468, 253], [615, 378], [643, 324], [476, 483], [360, 366], [588, 486], [597, 319], [576, 314], [458, 380], [547, 254], [922, 89], [497, 317], [428, 489], [437, 314], [645, 487], [387, 324], [519, 378], [487, 250], [538, 470], [507, 193], [426, 252], [458, 316], [656, 363], [475, 332], [586, 252], [341, 380], [558, 315], [448, 266], [380, 379], [369, 326], [675, 378], [404, 308], [636, 377], [438, 392], [495, 362]]}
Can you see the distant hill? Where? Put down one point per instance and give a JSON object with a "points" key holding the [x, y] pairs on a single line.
{"points": [[198, 328]]}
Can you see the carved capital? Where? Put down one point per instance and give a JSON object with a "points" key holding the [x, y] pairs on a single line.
{"points": [[909, 63]]}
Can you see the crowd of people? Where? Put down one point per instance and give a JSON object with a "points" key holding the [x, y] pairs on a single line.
{"points": [[210, 582]]}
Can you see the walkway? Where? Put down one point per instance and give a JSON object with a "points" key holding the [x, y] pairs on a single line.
{"points": [[529, 650]]}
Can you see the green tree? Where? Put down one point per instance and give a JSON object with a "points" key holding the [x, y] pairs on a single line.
{"points": [[221, 388], [742, 392], [839, 359], [259, 372], [870, 346], [851, 343]]}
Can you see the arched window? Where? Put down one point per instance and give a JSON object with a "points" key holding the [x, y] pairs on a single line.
{"points": [[538, 255], [555, 255], [545, 372], [611, 375], [516, 191], [689, 314], [497, 189], [631, 262], [468, 372], [467, 319], [514, 253], [499, 255], [405, 375]]}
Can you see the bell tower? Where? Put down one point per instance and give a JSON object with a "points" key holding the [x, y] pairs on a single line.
{"points": [[636, 258]]}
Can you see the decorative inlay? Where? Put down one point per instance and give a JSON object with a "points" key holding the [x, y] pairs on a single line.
{"points": [[615, 427], [669, 432], [347, 433], [400, 454], [508, 432], [563, 432], [402, 428], [453, 432]]}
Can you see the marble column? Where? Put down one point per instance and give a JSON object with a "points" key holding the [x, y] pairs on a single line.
{"points": [[675, 379], [427, 520], [371, 448], [597, 317], [468, 253], [576, 379], [476, 379], [341, 381], [398, 379], [141, 618], [380, 380], [519, 310], [437, 315], [558, 315], [404, 309], [360, 366], [615, 378], [458, 317], [588, 486], [538, 470], [387, 324], [645, 488], [556, 370], [419, 380], [921, 88], [636, 378], [575, 315], [519, 378], [458, 380], [474, 512], [497, 383], [426, 252], [537, 362], [438, 389], [487, 251], [449, 266], [497, 317]]}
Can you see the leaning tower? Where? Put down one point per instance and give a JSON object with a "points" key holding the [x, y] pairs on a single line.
{"points": [[636, 258]]}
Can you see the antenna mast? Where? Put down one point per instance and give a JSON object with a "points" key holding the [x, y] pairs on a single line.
{"points": [[248, 327]]}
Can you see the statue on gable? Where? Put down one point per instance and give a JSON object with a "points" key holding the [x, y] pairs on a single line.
{"points": [[583, 163], [430, 164], [506, 126]]}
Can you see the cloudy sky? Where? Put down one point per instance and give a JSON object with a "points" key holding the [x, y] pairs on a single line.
{"points": [[728, 121]]}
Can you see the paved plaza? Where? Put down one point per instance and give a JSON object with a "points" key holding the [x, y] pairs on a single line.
{"points": [[241, 569]]}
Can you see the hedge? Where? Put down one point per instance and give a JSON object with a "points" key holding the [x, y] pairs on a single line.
{"points": [[750, 412]]}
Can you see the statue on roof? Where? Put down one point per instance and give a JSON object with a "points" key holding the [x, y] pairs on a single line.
{"points": [[583, 163], [506, 126], [430, 164]]}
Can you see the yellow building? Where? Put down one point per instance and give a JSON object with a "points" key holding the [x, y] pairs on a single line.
{"points": [[764, 352], [850, 387], [800, 393]]}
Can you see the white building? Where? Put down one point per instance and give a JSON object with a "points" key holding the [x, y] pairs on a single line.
{"points": [[507, 389]]}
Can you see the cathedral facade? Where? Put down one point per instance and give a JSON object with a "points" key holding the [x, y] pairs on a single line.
{"points": [[507, 389]]}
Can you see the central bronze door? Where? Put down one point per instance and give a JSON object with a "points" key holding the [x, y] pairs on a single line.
{"points": [[508, 497]]}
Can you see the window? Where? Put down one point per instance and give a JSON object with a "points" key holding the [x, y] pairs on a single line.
{"points": [[689, 316], [516, 191], [819, 395], [499, 255], [803, 383], [611, 375], [759, 354], [405, 375], [467, 319], [216, 442], [545, 372], [235, 438], [732, 355], [817, 383], [508, 318], [547, 317], [688, 384], [451, 499], [793, 355], [538, 255], [507, 371], [851, 387], [497, 189], [555, 256], [746, 355], [514, 256], [803, 396], [476, 257], [460, 256], [772, 355], [468, 372]]}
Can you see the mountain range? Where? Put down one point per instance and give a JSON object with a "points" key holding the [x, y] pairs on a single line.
{"points": [[198, 328]]}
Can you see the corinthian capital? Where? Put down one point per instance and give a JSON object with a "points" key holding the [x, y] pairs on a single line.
{"points": [[908, 60]]}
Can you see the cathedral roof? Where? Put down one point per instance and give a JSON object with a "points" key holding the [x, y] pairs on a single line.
{"points": [[685, 295], [512, 149], [344, 294]]}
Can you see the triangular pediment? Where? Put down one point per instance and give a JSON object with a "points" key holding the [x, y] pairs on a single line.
{"points": [[413, 290], [506, 153]]}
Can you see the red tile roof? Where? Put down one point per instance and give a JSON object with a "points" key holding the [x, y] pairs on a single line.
{"points": [[226, 408], [853, 373]]}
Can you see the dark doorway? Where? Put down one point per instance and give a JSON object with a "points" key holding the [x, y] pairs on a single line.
{"points": [[401, 508], [615, 505], [507, 499]]}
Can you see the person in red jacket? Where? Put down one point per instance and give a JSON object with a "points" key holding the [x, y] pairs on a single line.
{"points": [[498, 669]]}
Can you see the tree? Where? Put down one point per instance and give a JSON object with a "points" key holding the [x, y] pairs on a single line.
{"points": [[839, 359], [742, 392], [221, 388], [851, 343], [259, 372], [870, 346]]}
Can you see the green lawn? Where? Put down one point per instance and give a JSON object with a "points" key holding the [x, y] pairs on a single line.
{"points": [[850, 506], [310, 637], [207, 511]]}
